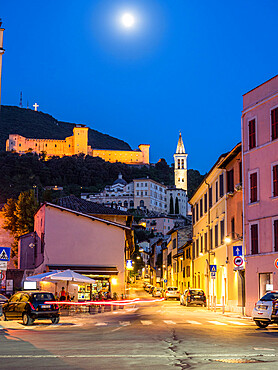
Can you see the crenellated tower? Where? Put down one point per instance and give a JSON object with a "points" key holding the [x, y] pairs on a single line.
{"points": [[180, 158]]}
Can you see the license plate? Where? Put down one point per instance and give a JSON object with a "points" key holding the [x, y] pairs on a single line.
{"points": [[45, 306], [196, 296], [261, 307]]}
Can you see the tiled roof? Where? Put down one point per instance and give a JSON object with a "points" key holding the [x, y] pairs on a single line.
{"points": [[85, 206]]}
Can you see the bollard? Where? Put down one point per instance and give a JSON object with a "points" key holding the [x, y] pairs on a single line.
{"points": [[211, 303], [208, 302], [223, 305], [214, 301]]}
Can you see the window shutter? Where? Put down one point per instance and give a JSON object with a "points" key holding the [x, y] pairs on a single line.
{"points": [[275, 181], [254, 239], [276, 235]]}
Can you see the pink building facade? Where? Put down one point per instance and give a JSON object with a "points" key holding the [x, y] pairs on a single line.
{"points": [[260, 193]]}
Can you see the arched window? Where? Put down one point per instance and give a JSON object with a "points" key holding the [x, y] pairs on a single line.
{"points": [[142, 203], [125, 203], [182, 163], [131, 203], [119, 203], [179, 164]]}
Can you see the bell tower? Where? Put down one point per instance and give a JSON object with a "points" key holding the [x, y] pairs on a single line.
{"points": [[180, 158]]}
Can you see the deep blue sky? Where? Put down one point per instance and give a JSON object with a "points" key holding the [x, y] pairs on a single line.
{"points": [[183, 67]]}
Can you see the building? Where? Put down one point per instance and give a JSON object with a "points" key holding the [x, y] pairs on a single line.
{"points": [[260, 192], [140, 193], [216, 214], [82, 236], [1, 54], [76, 144]]}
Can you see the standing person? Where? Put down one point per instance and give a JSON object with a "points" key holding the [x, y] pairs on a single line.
{"points": [[63, 294]]}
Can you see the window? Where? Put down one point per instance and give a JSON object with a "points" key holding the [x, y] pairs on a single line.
{"points": [[137, 192], [233, 228], [230, 181], [210, 197], [221, 185], [197, 247], [206, 203], [193, 215], [274, 124], [146, 193], [179, 164], [216, 236], [275, 235], [210, 236], [253, 187], [146, 184], [240, 172], [206, 242], [187, 271], [254, 239], [216, 191], [201, 244], [169, 259], [197, 212], [222, 230], [182, 163], [141, 203], [275, 180], [174, 243], [252, 133], [201, 207]]}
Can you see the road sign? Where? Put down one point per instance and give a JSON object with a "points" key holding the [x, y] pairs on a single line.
{"points": [[5, 253], [212, 268], [3, 266], [276, 263], [165, 280], [237, 250], [129, 265], [238, 261], [213, 275]]}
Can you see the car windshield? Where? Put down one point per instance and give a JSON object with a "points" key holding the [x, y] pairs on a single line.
{"points": [[172, 289], [2, 297], [196, 292], [41, 297], [271, 296]]}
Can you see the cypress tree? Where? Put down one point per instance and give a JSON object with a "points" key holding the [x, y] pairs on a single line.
{"points": [[171, 205]]}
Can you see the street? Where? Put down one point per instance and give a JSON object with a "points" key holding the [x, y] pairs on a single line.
{"points": [[151, 335]]}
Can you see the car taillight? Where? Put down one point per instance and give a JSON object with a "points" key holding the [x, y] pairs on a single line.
{"points": [[178, 292], [33, 308], [166, 291], [188, 294]]}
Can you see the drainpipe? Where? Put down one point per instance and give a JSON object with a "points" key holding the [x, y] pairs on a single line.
{"points": [[243, 217], [209, 243]]}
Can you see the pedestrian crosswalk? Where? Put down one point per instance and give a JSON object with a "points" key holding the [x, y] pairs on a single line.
{"points": [[172, 323]]}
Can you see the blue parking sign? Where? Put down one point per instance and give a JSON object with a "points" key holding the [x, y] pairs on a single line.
{"points": [[5, 253]]}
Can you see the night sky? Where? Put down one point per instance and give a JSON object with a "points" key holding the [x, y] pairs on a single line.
{"points": [[183, 66]]}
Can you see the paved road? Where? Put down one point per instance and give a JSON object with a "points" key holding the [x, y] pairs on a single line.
{"points": [[156, 336]]}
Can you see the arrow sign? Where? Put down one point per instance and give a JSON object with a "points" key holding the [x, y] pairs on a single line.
{"points": [[212, 268], [237, 250], [5, 253]]}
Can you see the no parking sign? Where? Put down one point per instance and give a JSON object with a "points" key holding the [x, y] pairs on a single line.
{"points": [[276, 263]]}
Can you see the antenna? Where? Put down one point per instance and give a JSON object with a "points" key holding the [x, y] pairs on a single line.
{"points": [[20, 100]]}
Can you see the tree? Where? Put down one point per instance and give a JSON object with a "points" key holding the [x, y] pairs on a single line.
{"points": [[171, 205], [19, 216], [177, 208]]}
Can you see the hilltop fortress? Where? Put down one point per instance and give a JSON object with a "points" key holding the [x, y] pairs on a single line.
{"points": [[76, 144]]}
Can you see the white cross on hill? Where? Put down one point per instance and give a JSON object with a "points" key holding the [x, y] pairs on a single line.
{"points": [[36, 106]]}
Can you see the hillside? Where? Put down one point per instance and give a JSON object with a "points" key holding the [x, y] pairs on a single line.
{"points": [[28, 123]]}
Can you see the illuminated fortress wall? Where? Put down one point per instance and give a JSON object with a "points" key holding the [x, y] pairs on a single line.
{"points": [[76, 144]]}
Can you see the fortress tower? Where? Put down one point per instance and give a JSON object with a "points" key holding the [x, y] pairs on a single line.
{"points": [[80, 139], [180, 158], [1, 53]]}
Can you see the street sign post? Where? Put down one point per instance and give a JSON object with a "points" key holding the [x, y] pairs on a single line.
{"points": [[238, 261], [3, 266], [212, 268], [5, 253], [213, 275], [237, 250]]}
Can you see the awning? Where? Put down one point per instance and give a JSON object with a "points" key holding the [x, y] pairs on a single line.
{"points": [[87, 269]]}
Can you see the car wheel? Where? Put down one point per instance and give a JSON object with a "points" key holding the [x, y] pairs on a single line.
{"points": [[204, 305], [27, 319], [261, 324], [5, 317], [55, 320]]}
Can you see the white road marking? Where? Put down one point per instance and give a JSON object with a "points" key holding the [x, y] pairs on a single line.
{"points": [[146, 322], [193, 322], [169, 322], [101, 324], [237, 322], [124, 323], [217, 323], [263, 349]]}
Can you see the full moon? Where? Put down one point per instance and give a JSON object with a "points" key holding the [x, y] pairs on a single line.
{"points": [[128, 20]]}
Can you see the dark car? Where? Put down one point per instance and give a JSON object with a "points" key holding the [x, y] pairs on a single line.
{"points": [[193, 296], [30, 306]]}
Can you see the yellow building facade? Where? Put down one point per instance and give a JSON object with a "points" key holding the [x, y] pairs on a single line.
{"points": [[76, 144]]}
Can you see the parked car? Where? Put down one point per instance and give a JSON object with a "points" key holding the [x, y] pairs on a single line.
{"points": [[193, 296], [151, 289], [148, 287], [30, 306], [265, 311], [157, 292], [172, 292]]}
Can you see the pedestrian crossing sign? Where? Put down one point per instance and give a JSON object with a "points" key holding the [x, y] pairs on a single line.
{"points": [[5, 253], [212, 268]]}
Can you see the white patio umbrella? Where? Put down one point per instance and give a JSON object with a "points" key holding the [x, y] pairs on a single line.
{"points": [[69, 275], [40, 277]]}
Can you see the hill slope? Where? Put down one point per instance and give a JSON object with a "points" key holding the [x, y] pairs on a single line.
{"points": [[28, 123]]}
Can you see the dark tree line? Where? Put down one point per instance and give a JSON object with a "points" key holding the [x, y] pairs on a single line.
{"points": [[75, 174]]}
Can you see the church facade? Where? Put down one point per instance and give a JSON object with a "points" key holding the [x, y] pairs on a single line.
{"points": [[76, 144]]}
